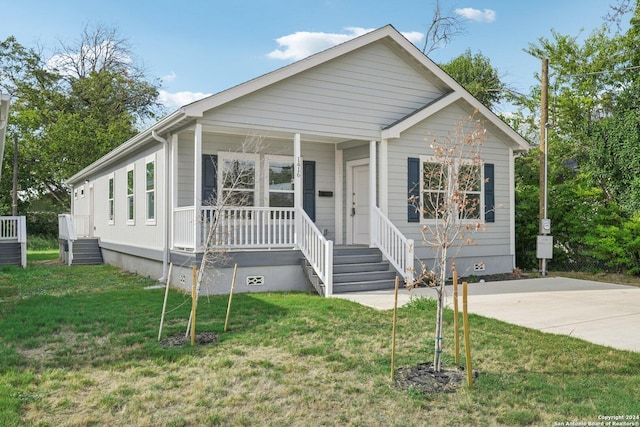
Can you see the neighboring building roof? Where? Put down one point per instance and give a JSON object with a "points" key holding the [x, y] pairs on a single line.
{"points": [[452, 89], [4, 118]]}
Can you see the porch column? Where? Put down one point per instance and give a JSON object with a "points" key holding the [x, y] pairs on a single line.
{"points": [[384, 177], [338, 187], [197, 185], [172, 190], [297, 183], [373, 160]]}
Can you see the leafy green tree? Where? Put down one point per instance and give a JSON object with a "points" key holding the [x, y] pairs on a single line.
{"points": [[476, 74], [612, 162], [593, 141], [70, 109]]}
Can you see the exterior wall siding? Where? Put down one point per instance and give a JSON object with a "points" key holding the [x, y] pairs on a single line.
{"points": [[350, 97], [492, 242], [140, 233]]}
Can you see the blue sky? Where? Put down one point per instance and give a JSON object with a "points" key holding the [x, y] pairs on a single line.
{"points": [[203, 47]]}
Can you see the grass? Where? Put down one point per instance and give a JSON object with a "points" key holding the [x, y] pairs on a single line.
{"points": [[78, 346]]}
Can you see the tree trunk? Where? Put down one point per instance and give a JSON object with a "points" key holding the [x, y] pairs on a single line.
{"points": [[437, 356]]}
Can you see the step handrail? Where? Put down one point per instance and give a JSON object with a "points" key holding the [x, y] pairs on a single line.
{"points": [[316, 249], [393, 244]]}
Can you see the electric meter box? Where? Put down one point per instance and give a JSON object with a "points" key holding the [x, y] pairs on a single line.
{"points": [[544, 248], [545, 226]]}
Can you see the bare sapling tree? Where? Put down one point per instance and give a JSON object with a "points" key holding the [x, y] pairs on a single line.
{"points": [[236, 178], [450, 205], [443, 28]]}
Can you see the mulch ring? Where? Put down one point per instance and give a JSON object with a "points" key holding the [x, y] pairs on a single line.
{"points": [[423, 378], [179, 340]]}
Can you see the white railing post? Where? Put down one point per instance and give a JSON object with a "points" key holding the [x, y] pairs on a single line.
{"points": [[328, 268], [22, 239]]}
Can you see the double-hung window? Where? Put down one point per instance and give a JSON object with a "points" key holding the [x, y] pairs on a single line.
{"points": [[130, 195], [237, 178], [449, 189], [279, 184], [150, 190], [110, 200]]}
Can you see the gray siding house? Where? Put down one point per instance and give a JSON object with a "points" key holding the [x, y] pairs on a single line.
{"points": [[342, 137]]}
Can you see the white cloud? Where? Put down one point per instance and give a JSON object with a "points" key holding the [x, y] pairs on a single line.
{"points": [[301, 44], [486, 15], [169, 77], [178, 99], [414, 36]]}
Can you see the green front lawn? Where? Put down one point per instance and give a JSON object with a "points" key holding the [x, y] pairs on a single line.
{"points": [[78, 346]]}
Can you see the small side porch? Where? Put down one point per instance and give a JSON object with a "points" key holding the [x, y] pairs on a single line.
{"points": [[13, 241], [77, 244]]}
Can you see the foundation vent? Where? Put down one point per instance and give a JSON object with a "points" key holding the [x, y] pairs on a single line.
{"points": [[478, 266], [255, 280]]}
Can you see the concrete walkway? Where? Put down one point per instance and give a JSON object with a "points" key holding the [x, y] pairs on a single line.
{"points": [[601, 313]]}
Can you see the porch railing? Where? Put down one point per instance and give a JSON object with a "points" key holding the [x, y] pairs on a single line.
{"points": [[317, 250], [67, 233], [234, 227], [183, 228], [13, 228], [249, 226], [83, 225], [393, 244]]}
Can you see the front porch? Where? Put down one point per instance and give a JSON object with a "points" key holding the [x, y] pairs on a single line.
{"points": [[298, 195], [330, 269]]}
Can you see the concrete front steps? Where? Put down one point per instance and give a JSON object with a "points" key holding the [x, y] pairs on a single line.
{"points": [[356, 269]]}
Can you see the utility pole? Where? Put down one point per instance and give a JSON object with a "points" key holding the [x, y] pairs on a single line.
{"points": [[14, 194], [544, 118], [544, 242]]}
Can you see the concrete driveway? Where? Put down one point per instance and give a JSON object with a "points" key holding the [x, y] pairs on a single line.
{"points": [[601, 313]]}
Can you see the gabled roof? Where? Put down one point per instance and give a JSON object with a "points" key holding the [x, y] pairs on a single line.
{"points": [[4, 118], [453, 92]]}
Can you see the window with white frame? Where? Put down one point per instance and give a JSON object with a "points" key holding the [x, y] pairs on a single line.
{"points": [[150, 190], [459, 182], [237, 178], [279, 185], [130, 195], [110, 200]]}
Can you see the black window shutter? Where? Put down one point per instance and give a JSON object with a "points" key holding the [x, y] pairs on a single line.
{"points": [[309, 188], [209, 179], [413, 189], [489, 193]]}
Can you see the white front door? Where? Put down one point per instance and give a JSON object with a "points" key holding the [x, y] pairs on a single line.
{"points": [[358, 203]]}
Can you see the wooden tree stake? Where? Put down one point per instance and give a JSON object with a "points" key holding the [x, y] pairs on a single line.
{"points": [[194, 305], [456, 326], [467, 344], [233, 282], [393, 339], [164, 305]]}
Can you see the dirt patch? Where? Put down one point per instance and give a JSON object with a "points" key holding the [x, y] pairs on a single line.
{"points": [[178, 340], [423, 378]]}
